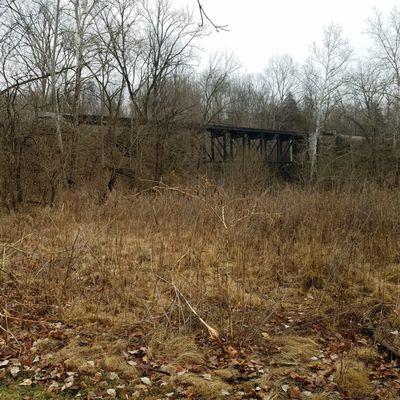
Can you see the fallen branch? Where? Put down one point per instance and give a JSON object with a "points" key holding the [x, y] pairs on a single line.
{"points": [[214, 334], [12, 335]]}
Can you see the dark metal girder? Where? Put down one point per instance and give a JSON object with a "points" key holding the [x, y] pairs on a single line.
{"points": [[253, 133]]}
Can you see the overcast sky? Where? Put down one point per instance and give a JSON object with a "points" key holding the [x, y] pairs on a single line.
{"points": [[261, 28]]}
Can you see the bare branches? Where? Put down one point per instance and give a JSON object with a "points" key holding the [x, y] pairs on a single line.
{"points": [[169, 47], [19, 83], [323, 77], [214, 83], [214, 334], [281, 74], [386, 37], [204, 17]]}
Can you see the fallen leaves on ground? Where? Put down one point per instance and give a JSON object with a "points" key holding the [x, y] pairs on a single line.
{"points": [[279, 366]]}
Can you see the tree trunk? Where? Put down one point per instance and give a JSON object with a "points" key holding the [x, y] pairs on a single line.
{"points": [[75, 129], [313, 152], [56, 109]]}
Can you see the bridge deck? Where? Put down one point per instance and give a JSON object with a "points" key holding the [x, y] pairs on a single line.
{"points": [[218, 130], [225, 141]]}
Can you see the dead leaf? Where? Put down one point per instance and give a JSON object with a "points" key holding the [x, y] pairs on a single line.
{"points": [[67, 386], [232, 352], [295, 393], [53, 387], [294, 375], [145, 380], [14, 371], [26, 382], [132, 363], [113, 376], [320, 380]]}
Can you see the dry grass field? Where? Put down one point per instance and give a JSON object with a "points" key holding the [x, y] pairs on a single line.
{"points": [[202, 293]]}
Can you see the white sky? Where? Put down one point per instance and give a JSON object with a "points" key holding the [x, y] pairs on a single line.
{"points": [[262, 28]]}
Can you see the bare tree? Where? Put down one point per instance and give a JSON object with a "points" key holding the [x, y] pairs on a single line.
{"points": [[324, 76], [281, 81], [10, 138], [26, 58], [367, 89], [40, 51], [386, 37], [55, 19], [281, 77], [214, 84], [121, 37], [169, 46], [83, 13], [110, 87]]}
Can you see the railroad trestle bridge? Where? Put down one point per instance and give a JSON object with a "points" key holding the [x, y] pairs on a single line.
{"points": [[224, 142], [229, 142]]}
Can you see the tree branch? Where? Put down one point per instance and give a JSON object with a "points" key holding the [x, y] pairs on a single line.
{"points": [[33, 79], [204, 17]]}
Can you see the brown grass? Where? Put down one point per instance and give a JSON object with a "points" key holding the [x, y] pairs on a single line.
{"points": [[243, 261], [102, 263], [205, 388], [353, 377]]}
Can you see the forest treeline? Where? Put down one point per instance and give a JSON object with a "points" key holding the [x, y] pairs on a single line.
{"points": [[140, 59]]}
